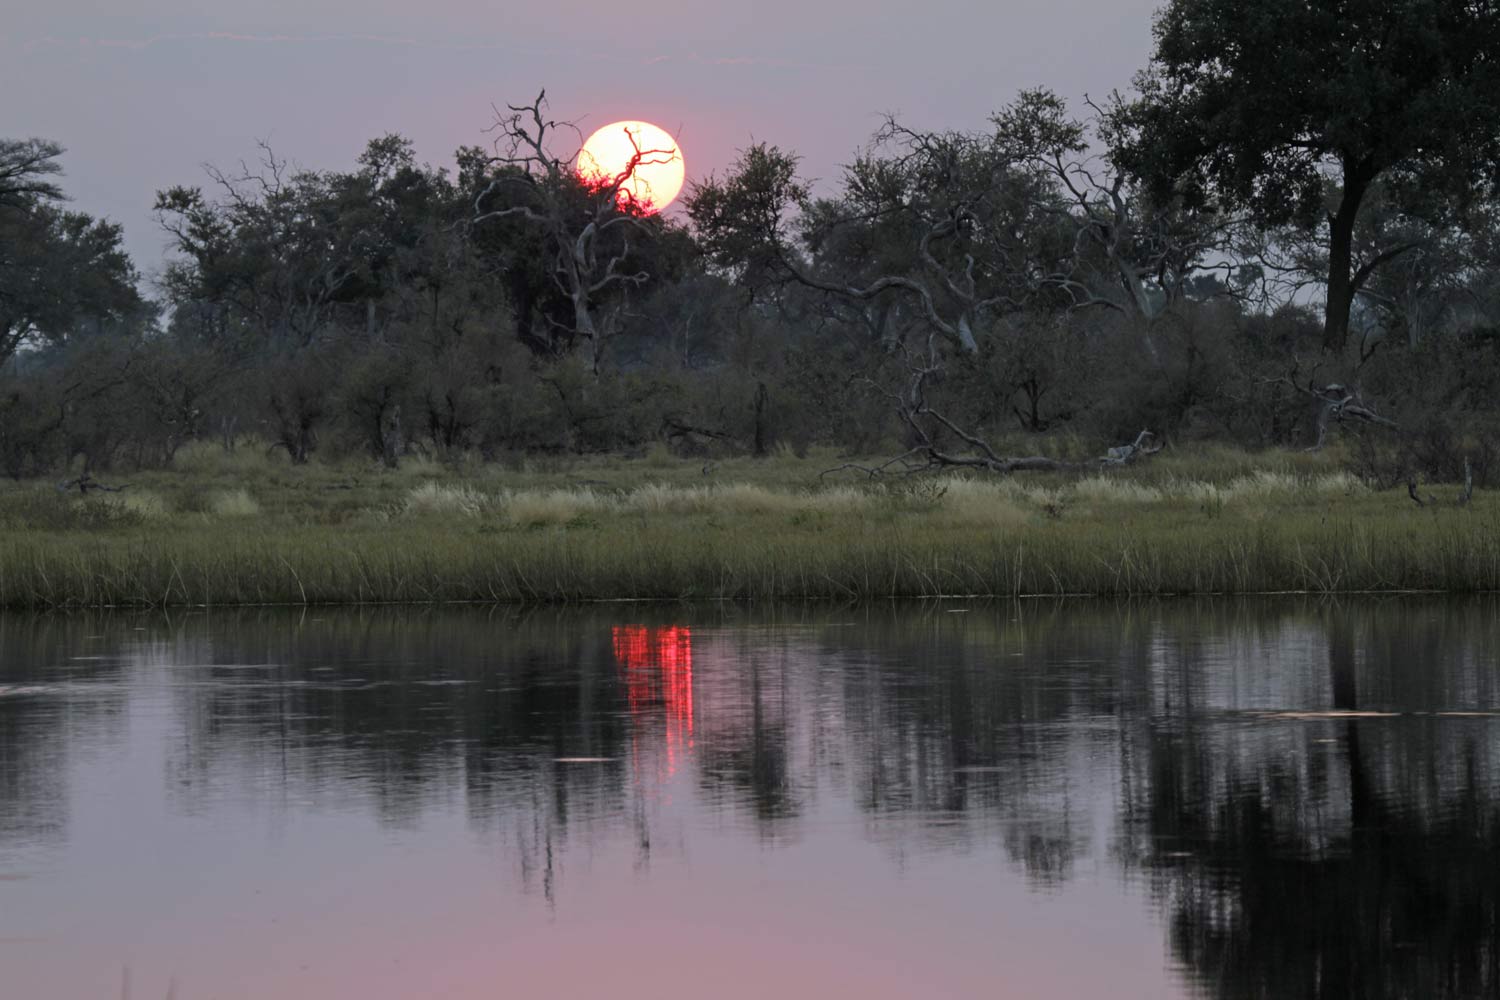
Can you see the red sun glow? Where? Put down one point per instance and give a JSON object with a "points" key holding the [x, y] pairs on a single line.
{"points": [[658, 176]]}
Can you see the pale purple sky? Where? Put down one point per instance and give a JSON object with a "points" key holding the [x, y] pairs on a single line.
{"points": [[142, 92]]}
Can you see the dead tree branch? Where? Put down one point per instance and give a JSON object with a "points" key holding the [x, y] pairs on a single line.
{"points": [[546, 192], [1337, 403], [86, 483], [927, 427]]}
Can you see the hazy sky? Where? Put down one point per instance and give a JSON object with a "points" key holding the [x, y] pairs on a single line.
{"points": [[144, 92]]}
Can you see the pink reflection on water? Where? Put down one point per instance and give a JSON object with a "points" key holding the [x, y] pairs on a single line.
{"points": [[657, 663]]}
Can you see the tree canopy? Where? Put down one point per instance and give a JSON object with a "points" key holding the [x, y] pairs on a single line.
{"points": [[1296, 109], [60, 271], [1047, 280]]}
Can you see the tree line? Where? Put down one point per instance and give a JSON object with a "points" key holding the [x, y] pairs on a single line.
{"points": [[1285, 228]]}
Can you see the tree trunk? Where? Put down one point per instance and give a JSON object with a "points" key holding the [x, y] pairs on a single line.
{"points": [[390, 437], [583, 322], [760, 420], [966, 335], [1032, 419], [1341, 286]]}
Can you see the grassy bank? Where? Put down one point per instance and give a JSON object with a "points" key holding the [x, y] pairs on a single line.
{"points": [[244, 530]]}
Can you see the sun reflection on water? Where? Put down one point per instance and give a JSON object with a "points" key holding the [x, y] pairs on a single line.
{"points": [[657, 664]]}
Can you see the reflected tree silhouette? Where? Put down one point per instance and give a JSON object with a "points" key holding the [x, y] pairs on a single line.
{"points": [[1372, 870], [59, 694], [1314, 854]]}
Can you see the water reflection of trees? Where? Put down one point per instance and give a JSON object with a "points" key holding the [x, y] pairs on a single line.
{"points": [[401, 714], [58, 701], [1289, 856], [1341, 856]]}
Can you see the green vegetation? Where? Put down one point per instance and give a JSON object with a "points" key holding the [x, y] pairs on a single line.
{"points": [[245, 529], [504, 381], [1047, 282]]}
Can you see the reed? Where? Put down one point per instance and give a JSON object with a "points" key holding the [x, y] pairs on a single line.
{"points": [[476, 540]]}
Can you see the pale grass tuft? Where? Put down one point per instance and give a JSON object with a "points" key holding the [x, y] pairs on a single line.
{"points": [[1026, 492], [1110, 489], [742, 498], [437, 499], [995, 504], [659, 498], [728, 498], [1009, 501], [1203, 494], [840, 500], [233, 503], [745, 499], [539, 508], [1261, 485], [1266, 485], [208, 458], [1337, 483]]}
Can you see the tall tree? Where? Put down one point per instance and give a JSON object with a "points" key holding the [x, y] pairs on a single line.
{"points": [[61, 272], [269, 248], [1270, 104], [942, 222]]}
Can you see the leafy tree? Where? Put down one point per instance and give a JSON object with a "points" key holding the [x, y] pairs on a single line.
{"points": [[1263, 104], [305, 280], [741, 220], [25, 166], [268, 249], [61, 272]]}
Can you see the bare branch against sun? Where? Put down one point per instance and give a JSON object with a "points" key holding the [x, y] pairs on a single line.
{"points": [[582, 207]]}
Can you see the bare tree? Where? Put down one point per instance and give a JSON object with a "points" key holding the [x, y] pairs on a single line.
{"points": [[960, 229], [940, 442], [1337, 403], [1128, 254], [585, 224], [931, 217]]}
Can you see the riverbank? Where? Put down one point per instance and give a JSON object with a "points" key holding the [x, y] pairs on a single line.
{"points": [[667, 531]]}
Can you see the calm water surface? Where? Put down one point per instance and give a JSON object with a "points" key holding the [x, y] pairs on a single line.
{"points": [[1244, 799]]}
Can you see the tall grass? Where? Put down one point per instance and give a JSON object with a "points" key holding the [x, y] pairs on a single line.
{"points": [[248, 527], [460, 542], [431, 499]]}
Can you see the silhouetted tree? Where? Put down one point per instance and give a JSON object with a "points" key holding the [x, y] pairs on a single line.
{"points": [[1264, 105]]}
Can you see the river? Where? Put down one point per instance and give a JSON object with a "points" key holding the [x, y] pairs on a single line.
{"points": [[1274, 798]]}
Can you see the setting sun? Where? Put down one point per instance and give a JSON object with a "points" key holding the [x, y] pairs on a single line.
{"points": [[658, 175]]}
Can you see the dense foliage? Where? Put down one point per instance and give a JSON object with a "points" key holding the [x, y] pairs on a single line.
{"points": [[1044, 284], [1300, 110]]}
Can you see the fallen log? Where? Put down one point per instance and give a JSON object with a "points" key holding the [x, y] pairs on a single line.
{"points": [[927, 458], [86, 483]]}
